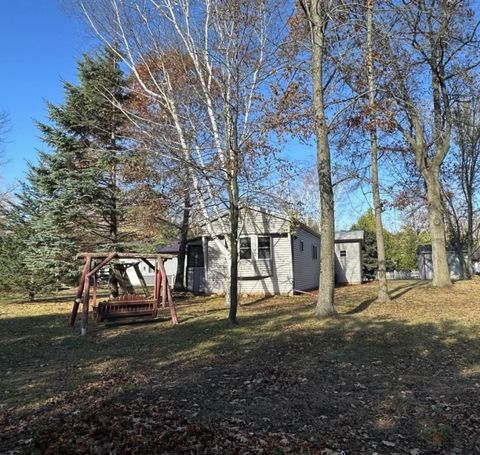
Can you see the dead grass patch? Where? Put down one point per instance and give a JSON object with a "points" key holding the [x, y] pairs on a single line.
{"points": [[379, 378]]}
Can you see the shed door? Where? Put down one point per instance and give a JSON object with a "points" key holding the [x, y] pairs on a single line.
{"points": [[195, 269]]}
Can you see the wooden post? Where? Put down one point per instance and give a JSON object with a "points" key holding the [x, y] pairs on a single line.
{"points": [[157, 287], [94, 289], [155, 282], [78, 295], [171, 304], [164, 291], [102, 263], [86, 296], [164, 283]]}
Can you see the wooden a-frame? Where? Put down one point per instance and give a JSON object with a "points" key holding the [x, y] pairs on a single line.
{"points": [[127, 305]]}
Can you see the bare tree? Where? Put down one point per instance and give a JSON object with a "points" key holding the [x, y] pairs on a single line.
{"points": [[4, 121], [225, 51], [377, 202], [318, 15], [4, 124], [467, 138], [461, 177], [428, 46]]}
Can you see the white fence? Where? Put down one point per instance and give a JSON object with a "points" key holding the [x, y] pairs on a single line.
{"points": [[403, 275]]}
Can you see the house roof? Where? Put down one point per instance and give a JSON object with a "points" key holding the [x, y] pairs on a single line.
{"points": [[249, 207], [173, 248], [345, 236]]}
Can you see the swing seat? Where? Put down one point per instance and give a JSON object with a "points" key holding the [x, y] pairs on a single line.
{"points": [[125, 306]]}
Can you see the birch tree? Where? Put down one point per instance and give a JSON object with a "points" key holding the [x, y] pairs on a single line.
{"points": [[215, 134]]}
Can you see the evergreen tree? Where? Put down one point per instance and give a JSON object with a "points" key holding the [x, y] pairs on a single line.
{"points": [[86, 135], [72, 199]]}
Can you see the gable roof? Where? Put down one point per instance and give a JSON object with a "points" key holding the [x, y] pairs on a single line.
{"points": [[340, 236]]}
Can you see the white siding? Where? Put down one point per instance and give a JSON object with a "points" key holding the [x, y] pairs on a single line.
{"points": [[257, 276], [348, 268], [252, 222], [149, 276], [453, 260], [279, 269], [306, 269]]}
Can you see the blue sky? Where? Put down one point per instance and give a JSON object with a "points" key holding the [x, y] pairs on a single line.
{"points": [[39, 46]]}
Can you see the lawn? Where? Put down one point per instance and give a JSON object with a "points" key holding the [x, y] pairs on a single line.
{"points": [[399, 378]]}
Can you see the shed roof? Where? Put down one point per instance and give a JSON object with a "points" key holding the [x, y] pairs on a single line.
{"points": [[349, 236]]}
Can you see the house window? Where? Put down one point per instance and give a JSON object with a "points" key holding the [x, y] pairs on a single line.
{"points": [[264, 248], [314, 252], [245, 248], [343, 253], [301, 245]]}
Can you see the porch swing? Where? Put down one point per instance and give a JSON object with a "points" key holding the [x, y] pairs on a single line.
{"points": [[129, 304]]}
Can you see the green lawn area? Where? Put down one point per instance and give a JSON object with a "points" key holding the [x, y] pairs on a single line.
{"points": [[398, 378]]}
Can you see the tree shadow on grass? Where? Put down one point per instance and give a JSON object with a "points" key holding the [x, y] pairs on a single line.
{"points": [[346, 383], [362, 306], [396, 293], [402, 290], [257, 301]]}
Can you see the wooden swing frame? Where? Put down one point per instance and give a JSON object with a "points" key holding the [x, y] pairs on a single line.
{"points": [[126, 305]]}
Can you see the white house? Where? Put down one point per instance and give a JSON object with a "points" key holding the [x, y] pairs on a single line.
{"points": [[277, 255], [149, 273]]}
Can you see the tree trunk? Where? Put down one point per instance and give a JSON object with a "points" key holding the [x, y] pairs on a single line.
{"points": [[441, 274], [382, 271], [383, 296], [233, 291], [180, 276], [141, 279], [232, 295], [118, 272], [470, 239], [325, 304], [112, 283]]}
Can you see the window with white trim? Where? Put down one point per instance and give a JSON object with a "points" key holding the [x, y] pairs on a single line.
{"points": [[245, 248], [264, 248]]}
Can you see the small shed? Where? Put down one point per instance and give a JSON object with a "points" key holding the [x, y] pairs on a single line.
{"points": [[456, 263]]}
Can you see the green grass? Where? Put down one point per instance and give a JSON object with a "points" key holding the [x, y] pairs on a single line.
{"points": [[403, 373]]}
